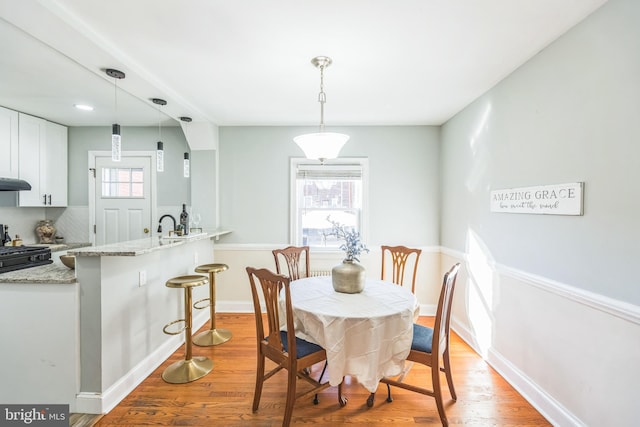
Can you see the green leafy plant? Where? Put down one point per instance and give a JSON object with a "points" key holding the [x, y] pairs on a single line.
{"points": [[352, 245]]}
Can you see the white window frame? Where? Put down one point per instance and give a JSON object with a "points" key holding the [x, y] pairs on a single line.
{"points": [[363, 162]]}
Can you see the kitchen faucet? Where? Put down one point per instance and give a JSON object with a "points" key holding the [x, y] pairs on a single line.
{"points": [[163, 217]]}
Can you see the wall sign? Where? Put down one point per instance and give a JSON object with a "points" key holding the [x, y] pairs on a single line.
{"points": [[559, 199]]}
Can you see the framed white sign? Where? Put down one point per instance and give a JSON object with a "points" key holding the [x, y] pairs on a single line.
{"points": [[558, 199]]}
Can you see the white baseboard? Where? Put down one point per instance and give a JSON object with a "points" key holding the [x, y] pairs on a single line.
{"points": [[551, 409], [101, 403]]}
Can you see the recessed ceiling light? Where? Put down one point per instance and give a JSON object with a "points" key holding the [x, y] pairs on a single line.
{"points": [[83, 107]]}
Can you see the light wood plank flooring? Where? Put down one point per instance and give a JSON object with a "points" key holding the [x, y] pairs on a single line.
{"points": [[224, 396]]}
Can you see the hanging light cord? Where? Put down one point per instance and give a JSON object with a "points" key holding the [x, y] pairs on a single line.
{"points": [[115, 98], [322, 97], [159, 127]]}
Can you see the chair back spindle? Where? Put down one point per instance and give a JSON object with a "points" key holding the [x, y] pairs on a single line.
{"points": [[296, 258], [400, 259]]}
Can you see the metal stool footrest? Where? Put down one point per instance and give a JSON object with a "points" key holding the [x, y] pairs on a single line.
{"points": [[200, 307], [173, 323]]}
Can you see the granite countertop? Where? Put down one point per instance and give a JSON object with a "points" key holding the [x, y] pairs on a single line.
{"points": [[144, 246], [58, 273], [57, 247], [55, 273]]}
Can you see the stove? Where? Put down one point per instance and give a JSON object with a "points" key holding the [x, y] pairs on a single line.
{"points": [[19, 257]]}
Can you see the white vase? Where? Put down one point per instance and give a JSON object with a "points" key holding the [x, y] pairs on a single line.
{"points": [[348, 277]]}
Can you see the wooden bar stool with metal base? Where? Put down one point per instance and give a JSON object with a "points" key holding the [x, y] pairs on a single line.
{"points": [[212, 336], [191, 368]]}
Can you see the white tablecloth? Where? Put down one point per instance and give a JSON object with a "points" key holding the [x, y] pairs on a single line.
{"points": [[366, 335]]}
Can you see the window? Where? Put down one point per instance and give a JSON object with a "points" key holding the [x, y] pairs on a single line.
{"points": [[337, 190], [122, 182]]}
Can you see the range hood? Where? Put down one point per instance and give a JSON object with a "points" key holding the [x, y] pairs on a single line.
{"points": [[14, 184]]}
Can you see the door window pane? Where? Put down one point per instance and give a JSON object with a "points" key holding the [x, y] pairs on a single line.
{"points": [[122, 182]]}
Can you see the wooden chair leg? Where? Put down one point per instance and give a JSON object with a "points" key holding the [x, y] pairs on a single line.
{"points": [[437, 394], [259, 381], [447, 371], [291, 398]]}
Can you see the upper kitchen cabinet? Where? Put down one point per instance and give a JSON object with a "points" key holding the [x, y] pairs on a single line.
{"points": [[8, 143], [43, 162]]}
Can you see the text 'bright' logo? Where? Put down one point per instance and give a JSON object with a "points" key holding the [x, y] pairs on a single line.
{"points": [[51, 415]]}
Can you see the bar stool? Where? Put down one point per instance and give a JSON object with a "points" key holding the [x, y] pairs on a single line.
{"points": [[212, 336], [191, 368]]}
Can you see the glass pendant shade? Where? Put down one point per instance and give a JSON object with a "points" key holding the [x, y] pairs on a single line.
{"points": [[116, 143], [322, 145], [116, 140], [186, 165], [160, 147], [160, 157]]}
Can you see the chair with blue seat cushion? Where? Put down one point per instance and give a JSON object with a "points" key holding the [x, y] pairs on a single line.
{"points": [[430, 347], [285, 349]]}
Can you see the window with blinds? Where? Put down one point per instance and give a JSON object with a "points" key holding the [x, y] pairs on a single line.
{"points": [[335, 191]]}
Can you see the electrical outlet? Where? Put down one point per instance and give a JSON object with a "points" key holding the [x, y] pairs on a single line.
{"points": [[142, 278]]}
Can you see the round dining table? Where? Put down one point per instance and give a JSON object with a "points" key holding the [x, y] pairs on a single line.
{"points": [[366, 335]]}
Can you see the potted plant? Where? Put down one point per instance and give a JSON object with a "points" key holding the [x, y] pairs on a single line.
{"points": [[349, 276]]}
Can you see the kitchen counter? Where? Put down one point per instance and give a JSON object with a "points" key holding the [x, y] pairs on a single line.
{"points": [[144, 246], [55, 273], [57, 247], [95, 332]]}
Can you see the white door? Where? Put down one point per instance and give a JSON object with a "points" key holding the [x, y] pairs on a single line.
{"points": [[122, 199]]}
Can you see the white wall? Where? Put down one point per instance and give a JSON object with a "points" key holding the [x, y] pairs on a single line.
{"points": [[403, 188], [553, 301]]}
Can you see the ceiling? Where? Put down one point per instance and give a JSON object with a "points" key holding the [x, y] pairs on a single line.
{"points": [[247, 62]]}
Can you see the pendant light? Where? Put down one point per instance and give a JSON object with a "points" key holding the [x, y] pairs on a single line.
{"points": [[116, 143], [185, 164], [321, 145], [160, 147]]}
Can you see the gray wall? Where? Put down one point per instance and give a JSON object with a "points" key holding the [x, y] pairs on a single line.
{"points": [[403, 187], [570, 114], [173, 188]]}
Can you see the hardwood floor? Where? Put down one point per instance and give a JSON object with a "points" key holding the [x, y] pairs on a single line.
{"points": [[224, 396]]}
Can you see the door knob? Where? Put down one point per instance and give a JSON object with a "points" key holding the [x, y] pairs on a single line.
{"points": [[146, 230]]}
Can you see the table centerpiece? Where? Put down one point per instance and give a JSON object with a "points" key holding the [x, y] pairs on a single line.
{"points": [[349, 276]]}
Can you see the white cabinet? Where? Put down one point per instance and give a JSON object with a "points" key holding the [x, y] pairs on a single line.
{"points": [[8, 143], [43, 162]]}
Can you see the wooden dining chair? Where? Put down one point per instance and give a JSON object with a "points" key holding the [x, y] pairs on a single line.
{"points": [[285, 349], [400, 256], [430, 347], [292, 255]]}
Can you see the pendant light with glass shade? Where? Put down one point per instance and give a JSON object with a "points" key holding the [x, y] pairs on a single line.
{"points": [[321, 145], [116, 141], [186, 167], [160, 146]]}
